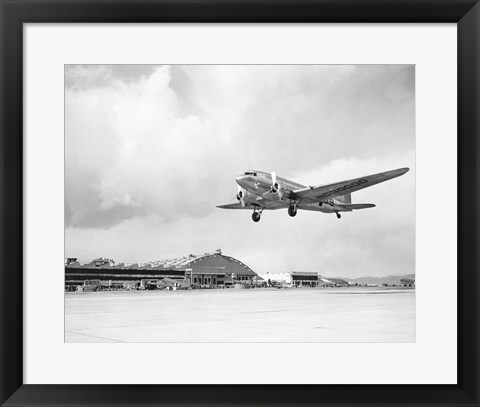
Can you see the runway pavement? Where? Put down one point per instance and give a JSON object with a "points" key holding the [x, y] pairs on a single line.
{"points": [[249, 315]]}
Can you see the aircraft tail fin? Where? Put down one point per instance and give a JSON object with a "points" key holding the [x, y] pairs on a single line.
{"points": [[345, 199]]}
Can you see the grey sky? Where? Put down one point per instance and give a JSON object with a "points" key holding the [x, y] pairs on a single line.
{"points": [[151, 150]]}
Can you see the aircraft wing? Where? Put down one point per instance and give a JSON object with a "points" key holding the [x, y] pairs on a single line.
{"points": [[323, 192], [260, 203], [236, 205], [339, 207]]}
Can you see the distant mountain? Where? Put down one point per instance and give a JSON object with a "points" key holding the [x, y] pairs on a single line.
{"points": [[378, 280]]}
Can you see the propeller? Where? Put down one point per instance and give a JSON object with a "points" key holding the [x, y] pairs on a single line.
{"points": [[274, 182], [241, 196], [276, 187]]}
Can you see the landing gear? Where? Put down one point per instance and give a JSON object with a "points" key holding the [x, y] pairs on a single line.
{"points": [[338, 215], [292, 210], [256, 214]]}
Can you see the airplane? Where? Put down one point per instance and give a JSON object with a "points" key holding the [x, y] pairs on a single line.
{"points": [[259, 190]]}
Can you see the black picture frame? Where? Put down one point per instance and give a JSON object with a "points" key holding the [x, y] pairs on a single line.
{"points": [[14, 13]]}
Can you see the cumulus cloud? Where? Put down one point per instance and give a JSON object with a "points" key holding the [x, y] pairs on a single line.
{"points": [[128, 153]]}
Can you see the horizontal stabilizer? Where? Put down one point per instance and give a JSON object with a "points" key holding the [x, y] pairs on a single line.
{"points": [[353, 207]]}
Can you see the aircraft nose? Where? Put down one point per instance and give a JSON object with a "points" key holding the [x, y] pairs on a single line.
{"points": [[242, 180]]}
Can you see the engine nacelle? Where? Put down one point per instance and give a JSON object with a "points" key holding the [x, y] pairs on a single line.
{"points": [[245, 197], [279, 189]]}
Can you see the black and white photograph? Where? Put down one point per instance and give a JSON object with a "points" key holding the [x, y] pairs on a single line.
{"points": [[240, 203]]}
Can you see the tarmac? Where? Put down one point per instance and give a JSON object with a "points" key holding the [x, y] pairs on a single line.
{"points": [[242, 315]]}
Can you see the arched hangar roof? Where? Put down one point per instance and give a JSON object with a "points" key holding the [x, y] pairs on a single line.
{"points": [[219, 262], [208, 262]]}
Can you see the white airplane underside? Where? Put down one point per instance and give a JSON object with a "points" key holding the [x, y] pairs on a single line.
{"points": [[258, 191]]}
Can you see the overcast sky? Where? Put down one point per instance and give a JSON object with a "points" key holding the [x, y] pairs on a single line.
{"points": [[151, 150]]}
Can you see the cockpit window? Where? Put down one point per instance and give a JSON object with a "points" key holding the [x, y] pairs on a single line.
{"points": [[251, 173]]}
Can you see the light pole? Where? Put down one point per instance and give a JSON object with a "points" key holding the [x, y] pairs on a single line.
{"points": [[191, 275]]}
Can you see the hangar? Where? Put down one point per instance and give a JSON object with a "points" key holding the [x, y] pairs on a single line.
{"points": [[213, 269]]}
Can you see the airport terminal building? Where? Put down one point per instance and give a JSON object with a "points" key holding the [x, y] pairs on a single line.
{"points": [[209, 269], [296, 278]]}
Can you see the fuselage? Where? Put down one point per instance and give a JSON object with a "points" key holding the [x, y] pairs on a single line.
{"points": [[260, 183]]}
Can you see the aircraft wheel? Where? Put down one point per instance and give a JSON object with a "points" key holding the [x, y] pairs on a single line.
{"points": [[292, 211], [255, 216], [338, 215]]}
